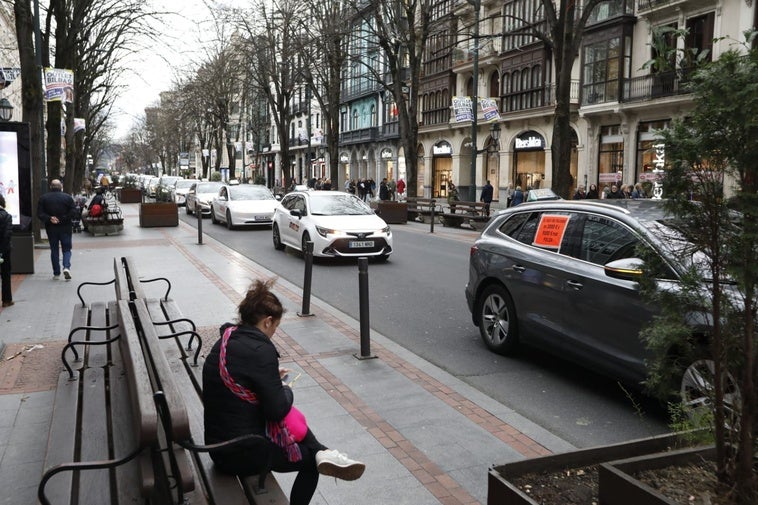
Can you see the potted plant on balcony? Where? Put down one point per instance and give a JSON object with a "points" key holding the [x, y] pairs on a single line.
{"points": [[162, 212]]}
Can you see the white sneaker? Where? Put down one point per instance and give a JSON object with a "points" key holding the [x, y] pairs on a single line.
{"points": [[337, 464], [57, 277], [67, 274]]}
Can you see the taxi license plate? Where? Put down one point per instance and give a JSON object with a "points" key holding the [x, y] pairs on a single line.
{"points": [[358, 244], [262, 218]]}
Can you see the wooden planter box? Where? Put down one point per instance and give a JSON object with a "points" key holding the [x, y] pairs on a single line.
{"points": [[617, 486], [393, 212], [130, 195], [158, 214], [500, 491]]}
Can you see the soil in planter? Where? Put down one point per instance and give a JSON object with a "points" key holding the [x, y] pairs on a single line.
{"points": [[693, 484], [571, 486]]}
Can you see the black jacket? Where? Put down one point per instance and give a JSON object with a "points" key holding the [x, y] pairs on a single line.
{"points": [[59, 204], [253, 362], [6, 227]]}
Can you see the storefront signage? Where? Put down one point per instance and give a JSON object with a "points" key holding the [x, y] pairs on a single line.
{"points": [[530, 140], [386, 154], [550, 231], [442, 149]]}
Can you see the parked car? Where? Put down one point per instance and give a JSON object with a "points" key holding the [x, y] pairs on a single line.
{"points": [[338, 224], [244, 204], [180, 190], [200, 195], [562, 276]]}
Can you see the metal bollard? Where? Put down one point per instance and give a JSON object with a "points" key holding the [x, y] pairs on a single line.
{"points": [[363, 309], [431, 226], [199, 225], [308, 255]]}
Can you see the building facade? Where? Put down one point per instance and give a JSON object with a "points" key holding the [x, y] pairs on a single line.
{"points": [[618, 103]]}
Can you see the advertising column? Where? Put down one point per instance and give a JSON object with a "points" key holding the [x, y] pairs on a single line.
{"points": [[16, 187]]}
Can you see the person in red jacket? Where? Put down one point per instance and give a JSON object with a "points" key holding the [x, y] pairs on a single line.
{"points": [[244, 393], [401, 189]]}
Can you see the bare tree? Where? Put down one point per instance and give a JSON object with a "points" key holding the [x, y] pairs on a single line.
{"points": [[275, 67], [322, 43], [31, 98], [401, 30]]}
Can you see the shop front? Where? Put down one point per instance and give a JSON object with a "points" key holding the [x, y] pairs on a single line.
{"points": [[529, 160], [442, 168]]}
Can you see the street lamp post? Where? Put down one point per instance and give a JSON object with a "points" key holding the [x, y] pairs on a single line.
{"points": [[474, 100], [308, 125]]}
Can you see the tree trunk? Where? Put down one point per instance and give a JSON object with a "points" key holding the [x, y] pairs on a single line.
{"points": [[31, 101]]}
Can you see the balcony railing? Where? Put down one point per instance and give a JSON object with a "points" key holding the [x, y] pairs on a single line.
{"points": [[359, 88], [359, 136], [389, 131], [653, 86], [536, 97]]}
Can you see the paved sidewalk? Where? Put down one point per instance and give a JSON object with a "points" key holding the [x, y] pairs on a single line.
{"points": [[425, 436]]}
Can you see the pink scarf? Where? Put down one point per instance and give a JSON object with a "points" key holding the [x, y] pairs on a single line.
{"points": [[277, 432]]}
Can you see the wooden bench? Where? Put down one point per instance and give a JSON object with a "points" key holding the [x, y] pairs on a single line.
{"points": [[104, 430], [470, 213], [421, 209], [168, 340]]}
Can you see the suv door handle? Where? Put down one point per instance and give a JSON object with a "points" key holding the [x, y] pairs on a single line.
{"points": [[575, 284], [519, 268]]}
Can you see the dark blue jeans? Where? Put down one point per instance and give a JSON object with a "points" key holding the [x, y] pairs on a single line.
{"points": [[59, 239]]}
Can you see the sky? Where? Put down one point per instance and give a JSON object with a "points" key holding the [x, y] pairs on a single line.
{"points": [[182, 33]]}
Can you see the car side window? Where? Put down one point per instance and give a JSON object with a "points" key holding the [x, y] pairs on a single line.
{"points": [[605, 240], [300, 204], [525, 234], [513, 224], [287, 202]]}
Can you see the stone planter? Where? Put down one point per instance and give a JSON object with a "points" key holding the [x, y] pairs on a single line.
{"points": [[130, 195], [617, 486], [500, 491], [158, 214], [393, 212]]}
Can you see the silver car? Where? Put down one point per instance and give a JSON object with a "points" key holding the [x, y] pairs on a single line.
{"points": [[562, 276]]}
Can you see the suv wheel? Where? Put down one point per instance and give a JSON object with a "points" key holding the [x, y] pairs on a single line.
{"points": [[698, 390], [498, 326]]}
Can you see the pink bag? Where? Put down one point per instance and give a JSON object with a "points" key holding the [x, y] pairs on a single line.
{"points": [[296, 424]]}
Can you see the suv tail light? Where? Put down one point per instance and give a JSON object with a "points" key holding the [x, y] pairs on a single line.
{"points": [[474, 250]]}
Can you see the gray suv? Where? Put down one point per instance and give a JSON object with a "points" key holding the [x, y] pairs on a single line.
{"points": [[560, 276]]}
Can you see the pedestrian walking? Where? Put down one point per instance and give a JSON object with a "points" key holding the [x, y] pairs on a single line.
{"points": [[401, 188], [486, 197], [244, 393], [6, 225], [57, 210], [391, 187], [518, 197]]}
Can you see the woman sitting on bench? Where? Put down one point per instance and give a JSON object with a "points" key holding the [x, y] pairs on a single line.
{"points": [[244, 393]]}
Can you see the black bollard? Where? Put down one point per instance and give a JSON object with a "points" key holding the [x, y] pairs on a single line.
{"points": [[363, 309], [199, 224], [308, 255], [431, 226]]}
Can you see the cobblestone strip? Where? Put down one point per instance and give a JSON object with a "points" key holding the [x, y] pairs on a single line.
{"points": [[503, 431], [446, 489]]}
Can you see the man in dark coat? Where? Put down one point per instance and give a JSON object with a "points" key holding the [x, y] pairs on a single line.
{"points": [[57, 210], [486, 197]]}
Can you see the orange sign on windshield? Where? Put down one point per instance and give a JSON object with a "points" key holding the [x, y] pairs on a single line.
{"points": [[550, 231]]}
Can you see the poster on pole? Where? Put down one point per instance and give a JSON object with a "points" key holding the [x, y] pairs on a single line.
{"points": [[489, 109], [462, 109], [59, 85]]}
